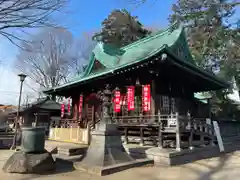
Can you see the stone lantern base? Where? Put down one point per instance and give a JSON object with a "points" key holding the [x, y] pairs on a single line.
{"points": [[32, 158], [106, 153], [29, 163]]}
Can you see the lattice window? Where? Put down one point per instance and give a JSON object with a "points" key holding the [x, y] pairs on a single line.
{"points": [[173, 105], [165, 104]]}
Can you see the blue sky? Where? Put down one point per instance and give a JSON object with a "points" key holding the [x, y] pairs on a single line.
{"points": [[86, 15]]}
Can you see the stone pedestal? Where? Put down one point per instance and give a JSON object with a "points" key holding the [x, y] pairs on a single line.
{"points": [[172, 157], [29, 163], [106, 153]]}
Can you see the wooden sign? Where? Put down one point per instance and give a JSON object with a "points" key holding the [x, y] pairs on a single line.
{"points": [[146, 98], [219, 137], [130, 98]]}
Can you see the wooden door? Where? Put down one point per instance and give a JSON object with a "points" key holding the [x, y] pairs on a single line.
{"points": [[93, 109]]}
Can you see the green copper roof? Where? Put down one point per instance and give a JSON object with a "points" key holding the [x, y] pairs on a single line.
{"points": [[112, 58]]}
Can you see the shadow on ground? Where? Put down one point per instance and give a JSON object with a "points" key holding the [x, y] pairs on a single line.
{"points": [[208, 168]]}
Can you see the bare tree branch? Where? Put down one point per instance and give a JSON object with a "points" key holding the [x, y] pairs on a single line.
{"points": [[81, 52], [22, 14], [53, 57], [47, 58]]}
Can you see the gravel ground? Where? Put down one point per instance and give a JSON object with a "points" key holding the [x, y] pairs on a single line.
{"points": [[221, 168]]}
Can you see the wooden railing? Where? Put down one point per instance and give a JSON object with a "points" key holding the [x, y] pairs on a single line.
{"points": [[172, 123]]}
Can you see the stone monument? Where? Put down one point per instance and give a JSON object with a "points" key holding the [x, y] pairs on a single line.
{"points": [[106, 153], [32, 157]]}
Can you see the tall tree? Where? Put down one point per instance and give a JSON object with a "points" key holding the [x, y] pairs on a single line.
{"points": [[208, 27], [47, 61], [213, 36], [54, 56], [22, 14], [120, 28], [81, 52]]}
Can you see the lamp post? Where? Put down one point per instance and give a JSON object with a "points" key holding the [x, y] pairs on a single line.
{"points": [[22, 78]]}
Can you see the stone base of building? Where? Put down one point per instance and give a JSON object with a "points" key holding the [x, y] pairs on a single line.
{"points": [[168, 157]]}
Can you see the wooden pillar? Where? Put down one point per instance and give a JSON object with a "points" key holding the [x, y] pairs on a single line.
{"points": [[210, 131], [178, 135], [201, 133], [160, 138], [209, 109], [153, 97], [191, 130], [75, 103], [93, 117], [170, 99], [141, 136], [126, 135]]}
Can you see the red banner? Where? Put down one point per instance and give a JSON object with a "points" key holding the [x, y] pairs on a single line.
{"points": [[130, 98], [146, 98], [80, 106], [69, 105], [62, 110], [117, 99]]}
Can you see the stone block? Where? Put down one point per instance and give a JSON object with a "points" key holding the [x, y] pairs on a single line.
{"points": [[27, 163]]}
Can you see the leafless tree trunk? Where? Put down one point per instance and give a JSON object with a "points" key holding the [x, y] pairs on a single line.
{"points": [[47, 59], [22, 14], [54, 57]]}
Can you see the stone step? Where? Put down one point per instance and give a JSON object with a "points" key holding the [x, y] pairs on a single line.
{"points": [[72, 151], [52, 149], [73, 158]]}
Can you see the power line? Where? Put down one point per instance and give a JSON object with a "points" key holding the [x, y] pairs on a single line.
{"points": [[15, 93]]}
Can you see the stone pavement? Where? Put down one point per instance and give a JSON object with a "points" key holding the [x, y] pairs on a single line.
{"points": [[221, 168]]}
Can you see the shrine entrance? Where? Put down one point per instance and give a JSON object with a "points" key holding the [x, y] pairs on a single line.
{"points": [[93, 110]]}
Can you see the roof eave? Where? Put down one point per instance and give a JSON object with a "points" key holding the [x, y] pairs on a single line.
{"points": [[200, 72], [119, 68]]}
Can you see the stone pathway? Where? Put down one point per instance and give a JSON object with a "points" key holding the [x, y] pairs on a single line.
{"points": [[221, 168]]}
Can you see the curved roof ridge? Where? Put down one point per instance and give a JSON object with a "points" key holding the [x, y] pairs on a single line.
{"points": [[151, 37]]}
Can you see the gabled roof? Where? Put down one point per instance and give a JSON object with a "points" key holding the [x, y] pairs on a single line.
{"points": [[43, 103], [114, 59]]}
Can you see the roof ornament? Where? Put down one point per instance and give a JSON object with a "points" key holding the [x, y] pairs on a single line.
{"points": [[163, 57], [176, 25]]}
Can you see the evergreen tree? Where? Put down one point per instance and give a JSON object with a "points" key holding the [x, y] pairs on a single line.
{"points": [[120, 28], [213, 37]]}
